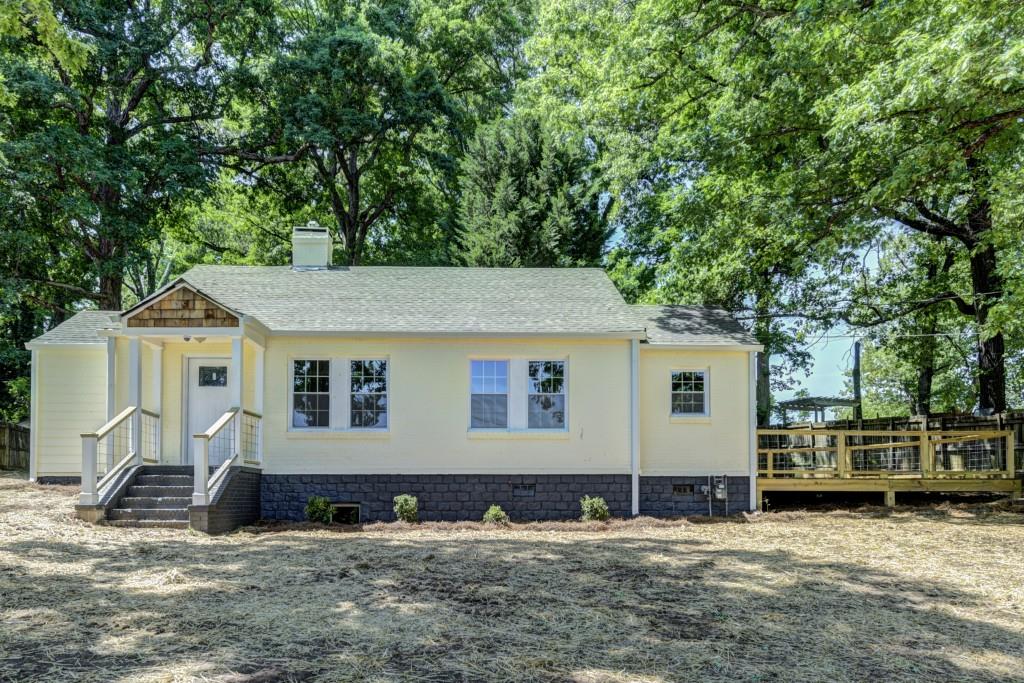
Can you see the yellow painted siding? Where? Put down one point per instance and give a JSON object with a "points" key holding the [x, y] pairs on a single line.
{"points": [[429, 408], [71, 399], [718, 444], [429, 411]]}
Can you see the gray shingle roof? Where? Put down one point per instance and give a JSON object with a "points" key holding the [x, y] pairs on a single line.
{"points": [[412, 300], [81, 328], [425, 300], [697, 325]]}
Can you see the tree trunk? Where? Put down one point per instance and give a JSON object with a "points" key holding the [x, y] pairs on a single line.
{"points": [[110, 291], [987, 286], [764, 394], [923, 395]]}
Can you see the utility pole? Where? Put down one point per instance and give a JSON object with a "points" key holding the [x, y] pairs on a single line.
{"points": [[857, 413]]}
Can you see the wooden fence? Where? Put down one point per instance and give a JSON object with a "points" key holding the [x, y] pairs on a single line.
{"points": [[13, 447]]}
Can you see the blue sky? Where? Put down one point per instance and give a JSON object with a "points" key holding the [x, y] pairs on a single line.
{"points": [[833, 356]]}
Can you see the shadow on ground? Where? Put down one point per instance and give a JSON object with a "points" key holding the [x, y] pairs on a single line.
{"points": [[88, 603]]}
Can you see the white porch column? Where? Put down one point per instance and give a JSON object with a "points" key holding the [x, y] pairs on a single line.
{"points": [[257, 396], [752, 426], [158, 399], [235, 379], [135, 394], [634, 422], [111, 380]]}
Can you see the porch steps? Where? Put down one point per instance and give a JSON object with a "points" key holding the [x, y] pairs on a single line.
{"points": [[158, 498]]}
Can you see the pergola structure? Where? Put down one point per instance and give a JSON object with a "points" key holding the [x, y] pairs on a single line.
{"points": [[816, 405]]}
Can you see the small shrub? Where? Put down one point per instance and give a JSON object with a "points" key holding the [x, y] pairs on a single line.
{"points": [[594, 509], [319, 509], [407, 508], [495, 515]]}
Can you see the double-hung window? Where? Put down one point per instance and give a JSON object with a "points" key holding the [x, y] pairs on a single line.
{"points": [[368, 400], [518, 395], [339, 394], [489, 394], [689, 393], [311, 394], [545, 386]]}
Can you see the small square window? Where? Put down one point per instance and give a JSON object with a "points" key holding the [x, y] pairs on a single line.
{"points": [[682, 489], [524, 490], [689, 392], [213, 376]]}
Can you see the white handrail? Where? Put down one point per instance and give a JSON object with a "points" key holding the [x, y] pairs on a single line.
{"points": [[89, 494], [201, 457], [221, 471], [112, 424], [114, 471]]}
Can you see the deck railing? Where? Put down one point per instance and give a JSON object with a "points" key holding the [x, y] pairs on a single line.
{"points": [[849, 454], [114, 447]]}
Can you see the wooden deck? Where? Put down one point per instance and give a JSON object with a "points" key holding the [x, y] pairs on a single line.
{"points": [[836, 460]]}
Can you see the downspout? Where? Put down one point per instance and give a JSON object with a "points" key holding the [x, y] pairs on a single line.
{"points": [[634, 422], [111, 384], [752, 429], [33, 416]]}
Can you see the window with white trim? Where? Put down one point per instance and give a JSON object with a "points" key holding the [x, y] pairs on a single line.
{"points": [[689, 392], [489, 394], [338, 394], [311, 394], [368, 396], [518, 394], [545, 388]]}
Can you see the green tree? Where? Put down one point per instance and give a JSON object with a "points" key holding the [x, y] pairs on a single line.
{"points": [[531, 197], [832, 121], [98, 146], [373, 99]]}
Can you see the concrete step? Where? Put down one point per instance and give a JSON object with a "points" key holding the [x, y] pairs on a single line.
{"points": [[163, 480], [171, 514], [135, 491], [150, 502], [150, 523]]}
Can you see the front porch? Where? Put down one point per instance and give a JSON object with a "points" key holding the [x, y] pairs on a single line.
{"points": [[184, 393], [833, 460]]}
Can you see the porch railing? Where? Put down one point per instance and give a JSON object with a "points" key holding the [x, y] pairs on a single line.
{"points": [[221, 440], [252, 438], [849, 454], [129, 438]]}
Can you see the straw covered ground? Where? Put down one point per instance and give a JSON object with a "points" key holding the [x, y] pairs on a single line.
{"points": [[926, 594]]}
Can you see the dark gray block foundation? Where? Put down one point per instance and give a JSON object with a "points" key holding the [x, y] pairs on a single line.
{"points": [[452, 497]]}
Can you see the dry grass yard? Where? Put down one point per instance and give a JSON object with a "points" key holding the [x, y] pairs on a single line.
{"points": [[929, 594]]}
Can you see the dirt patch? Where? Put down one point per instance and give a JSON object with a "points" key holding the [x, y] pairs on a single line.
{"points": [[841, 595]]}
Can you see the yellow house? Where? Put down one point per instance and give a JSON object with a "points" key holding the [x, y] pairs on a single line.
{"points": [[238, 392]]}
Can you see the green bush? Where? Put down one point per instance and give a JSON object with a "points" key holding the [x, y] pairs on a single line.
{"points": [[495, 515], [407, 508], [594, 509], [319, 509]]}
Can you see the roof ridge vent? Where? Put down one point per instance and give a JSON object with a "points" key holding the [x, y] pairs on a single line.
{"points": [[312, 246]]}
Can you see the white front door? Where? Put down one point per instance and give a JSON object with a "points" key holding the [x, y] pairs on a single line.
{"points": [[209, 397]]}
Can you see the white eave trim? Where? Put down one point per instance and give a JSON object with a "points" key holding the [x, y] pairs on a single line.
{"points": [[37, 345], [700, 347], [423, 334]]}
